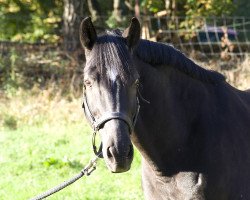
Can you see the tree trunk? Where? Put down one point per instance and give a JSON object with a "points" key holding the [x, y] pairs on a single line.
{"points": [[173, 8], [117, 12], [137, 9], [74, 11], [168, 6], [95, 13], [94, 10]]}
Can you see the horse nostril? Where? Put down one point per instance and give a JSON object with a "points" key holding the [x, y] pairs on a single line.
{"points": [[109, 154]]}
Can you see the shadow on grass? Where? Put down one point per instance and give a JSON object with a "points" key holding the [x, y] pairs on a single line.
{"points": [[75, 165]]}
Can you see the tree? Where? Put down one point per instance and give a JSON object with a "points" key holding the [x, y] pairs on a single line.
{"points": [[50, 20], [242, 8], [95, 11], [117, 12], [74, 11], [204, 8], [30, 21]]}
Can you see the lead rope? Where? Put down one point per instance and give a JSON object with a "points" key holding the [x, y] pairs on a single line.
{"points": [[87, 170]]}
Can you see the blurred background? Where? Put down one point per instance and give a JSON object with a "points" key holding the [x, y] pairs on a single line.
{"points": [[44, 138]]}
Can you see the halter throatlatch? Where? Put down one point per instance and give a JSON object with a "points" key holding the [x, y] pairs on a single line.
{"points": [[97, 124]]}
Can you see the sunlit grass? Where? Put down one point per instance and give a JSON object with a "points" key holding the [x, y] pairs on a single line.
{"points": [[44, 141]]}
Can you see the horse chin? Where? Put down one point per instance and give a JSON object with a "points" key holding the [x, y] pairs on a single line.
{"points": [[119, 167]]}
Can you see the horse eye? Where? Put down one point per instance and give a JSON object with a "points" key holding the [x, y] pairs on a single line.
{"points": [[87, 83]]}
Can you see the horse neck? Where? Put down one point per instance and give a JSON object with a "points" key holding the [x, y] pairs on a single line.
{"points": [[163, 132]]}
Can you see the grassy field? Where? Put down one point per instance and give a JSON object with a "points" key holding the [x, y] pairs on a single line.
{"points": [[44, 140]]}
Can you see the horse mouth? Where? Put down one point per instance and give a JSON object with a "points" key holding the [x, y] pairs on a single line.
{"points": [[121, 166], [118, 163]]}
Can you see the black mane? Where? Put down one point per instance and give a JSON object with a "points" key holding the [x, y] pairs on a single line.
{"points": [[111, 45], [162, 54]]}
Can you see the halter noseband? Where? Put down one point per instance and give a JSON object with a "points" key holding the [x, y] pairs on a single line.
{"points": [[98, 123]]}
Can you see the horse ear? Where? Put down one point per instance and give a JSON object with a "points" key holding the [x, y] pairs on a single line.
{"points": [[88, 34], [133, 32]]}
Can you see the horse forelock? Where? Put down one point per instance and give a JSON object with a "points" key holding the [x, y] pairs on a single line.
{"points": [[163, 54], [111, 57]]}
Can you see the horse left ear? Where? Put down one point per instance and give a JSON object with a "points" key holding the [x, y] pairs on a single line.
{"points": [[87, 33], [132, 33]]}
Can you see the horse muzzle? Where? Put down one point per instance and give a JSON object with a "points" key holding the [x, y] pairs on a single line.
{"points": [[117, 148], [121, 162]]}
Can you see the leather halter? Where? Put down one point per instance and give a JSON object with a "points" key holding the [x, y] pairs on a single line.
{"points": [[98, 123]]}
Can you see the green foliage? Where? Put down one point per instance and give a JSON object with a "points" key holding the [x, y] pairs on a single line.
{"points": [[105, 7], [31, 21], [193, 8], [242, 8], [205, 8], [41, 20], [113, 23], [153, 6], [10, 122]]}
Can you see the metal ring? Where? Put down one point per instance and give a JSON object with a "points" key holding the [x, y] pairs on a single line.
{"points": [[98, 152]]}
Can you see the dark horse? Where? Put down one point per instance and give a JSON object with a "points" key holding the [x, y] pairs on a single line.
{"points": [[193, 134]]}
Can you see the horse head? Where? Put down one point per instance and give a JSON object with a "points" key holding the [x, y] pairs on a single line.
{"points": [[110, 90]]}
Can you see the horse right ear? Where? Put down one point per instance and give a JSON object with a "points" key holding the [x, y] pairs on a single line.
{"points": [[132, 33], [88, 34]]}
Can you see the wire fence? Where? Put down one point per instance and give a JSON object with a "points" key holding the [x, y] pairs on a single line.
{"points": [[228, 39], [223, 36], [212, 36]]}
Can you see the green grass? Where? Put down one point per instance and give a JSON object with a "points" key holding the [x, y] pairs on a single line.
{"points": [[37, 156]]}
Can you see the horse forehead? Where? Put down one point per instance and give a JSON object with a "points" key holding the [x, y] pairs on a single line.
{"points": [[113, 74], [104, 54], [110, 75]]}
